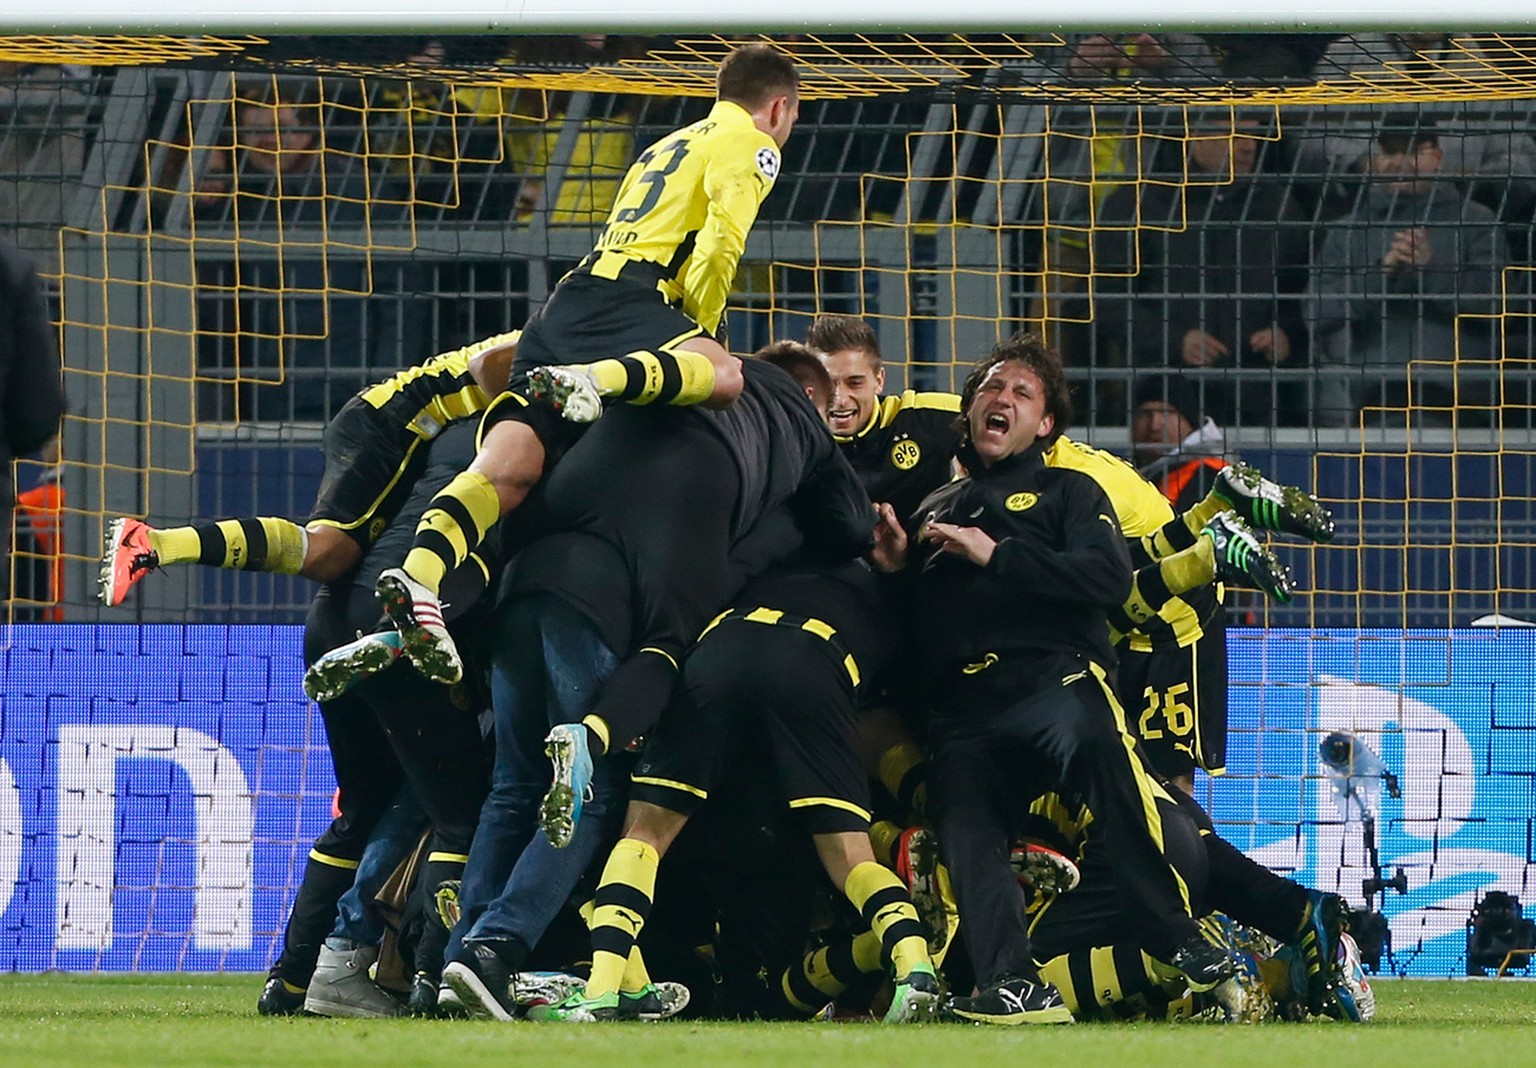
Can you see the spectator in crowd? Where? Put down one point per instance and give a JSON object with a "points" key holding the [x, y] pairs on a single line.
{"points": [[1393, 277], [1208, 271], [1091, 154], [1176, 446], [315, 326], [43, 131], [1487, 147], [31, 393]]}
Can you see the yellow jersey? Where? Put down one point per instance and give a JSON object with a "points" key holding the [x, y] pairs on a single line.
{"points": [[684, 209]]}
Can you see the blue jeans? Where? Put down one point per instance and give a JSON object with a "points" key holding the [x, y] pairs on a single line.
{"points": [[392, 840], [548, 665]]}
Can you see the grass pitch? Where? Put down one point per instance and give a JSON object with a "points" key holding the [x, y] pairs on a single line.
{"points": [[167, 1021]]}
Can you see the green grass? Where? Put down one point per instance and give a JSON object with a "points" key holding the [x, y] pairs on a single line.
{"points": [[165, 1021]]}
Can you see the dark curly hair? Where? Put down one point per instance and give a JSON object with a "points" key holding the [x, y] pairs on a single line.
{"points": [[1031, 351]]}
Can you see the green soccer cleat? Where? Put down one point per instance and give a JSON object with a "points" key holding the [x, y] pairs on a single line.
{"points": [[578, 1008], [1242, 558], [656, 1001], [916, 999], [1271, 506]]}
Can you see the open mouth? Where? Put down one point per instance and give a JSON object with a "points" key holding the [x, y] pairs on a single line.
{"points": [[996, 422]]}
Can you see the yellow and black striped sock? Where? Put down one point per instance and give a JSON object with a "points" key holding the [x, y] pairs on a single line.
{"points": [[619, 911], [636, 975], [453, 525], [887, 908], [1189, 569], [656, 376], [1209, 507], [1173, 536], [825, 973], [1115, 982], [904, 772], [262, 544]]}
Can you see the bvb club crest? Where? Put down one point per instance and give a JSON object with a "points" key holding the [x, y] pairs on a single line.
{"points": [[1021, 502], [905, 454]]}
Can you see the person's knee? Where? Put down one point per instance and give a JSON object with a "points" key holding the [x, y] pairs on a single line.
{"points": [[511, 458], [329, 554]]}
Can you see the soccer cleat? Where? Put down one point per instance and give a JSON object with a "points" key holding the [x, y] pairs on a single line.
{"points": [[1356, 999], [482, 981], [917, 863], [570, 390], [344, 667], [566, 746], [1012, 1002], [127, 558], [1242, 558], [1204, 964], [1243, 998], [544, 988], [341, 985], [578, 1008], [280, 998], [418, 616], [1271, 506], [1317, 939], [1042, 869], [423, 999], [916, 999], [449, 1004], [656, 1001]]}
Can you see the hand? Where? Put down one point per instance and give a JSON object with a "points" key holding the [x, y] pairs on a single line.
{"points": [[1410, 248], [973, 543], [890, 551], [1097, 55], [1149, 53], [1272, 343], [1202, 350]]}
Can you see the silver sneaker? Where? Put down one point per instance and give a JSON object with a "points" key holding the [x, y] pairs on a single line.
{"points": [[341, 986]]}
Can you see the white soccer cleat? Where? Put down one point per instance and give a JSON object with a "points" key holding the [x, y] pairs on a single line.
{"points": [[418, 616], [570, 390]]}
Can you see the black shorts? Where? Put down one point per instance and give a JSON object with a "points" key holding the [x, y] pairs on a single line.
{"points": [[588, 319], [371, 465], [1176, 702], [794, 683], [1096, 913]]}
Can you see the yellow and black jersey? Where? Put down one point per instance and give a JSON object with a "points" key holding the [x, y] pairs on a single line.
{"points": [[682, 214], [1141, 509], [428, 397], [907, 449]]}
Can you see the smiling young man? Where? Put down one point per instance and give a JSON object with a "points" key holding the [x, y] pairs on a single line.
{"points": [[902, 446], [1016, 567]]}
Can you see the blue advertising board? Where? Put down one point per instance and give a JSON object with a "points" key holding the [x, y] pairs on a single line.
{"points": [[160, 785]]}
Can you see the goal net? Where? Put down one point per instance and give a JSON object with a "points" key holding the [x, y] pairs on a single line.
{"points": [[238, 232]]}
